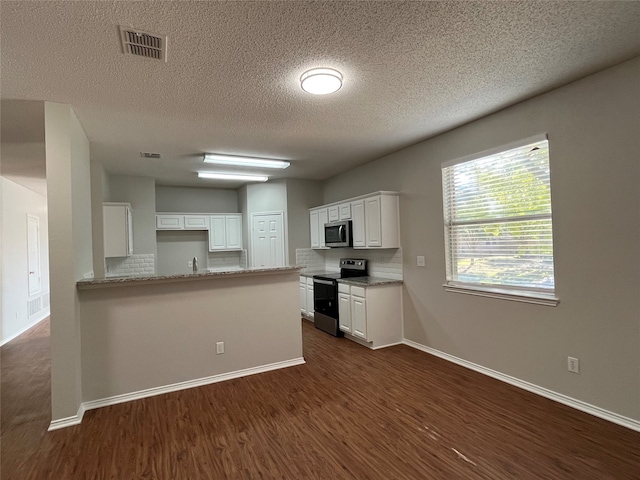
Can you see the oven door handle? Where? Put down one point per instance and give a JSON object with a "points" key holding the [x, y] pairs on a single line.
{"points": [[323, 282]]}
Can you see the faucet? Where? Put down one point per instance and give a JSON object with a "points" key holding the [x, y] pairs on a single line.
{"points": [[195, 264]]}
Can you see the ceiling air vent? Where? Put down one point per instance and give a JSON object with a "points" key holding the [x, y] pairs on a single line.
{"points": [[143, 44], [149, 155]]}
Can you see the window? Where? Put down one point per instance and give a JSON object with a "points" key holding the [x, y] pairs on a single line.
{"points": [[497, 217]]}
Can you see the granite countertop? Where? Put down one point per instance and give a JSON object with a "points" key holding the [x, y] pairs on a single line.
{"points": [[370, 281], [203, 275], [311, 273]]}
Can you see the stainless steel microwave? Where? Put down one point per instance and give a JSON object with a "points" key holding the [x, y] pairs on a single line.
{"points": [[338, 234]]}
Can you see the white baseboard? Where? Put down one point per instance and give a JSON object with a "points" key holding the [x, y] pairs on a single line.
{"points": [[41, 316], [150, 392], [550, 394], [68, 421]]}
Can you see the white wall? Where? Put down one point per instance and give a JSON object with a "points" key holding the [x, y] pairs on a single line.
{"points": [[196, 200], [176, 248], [18, 202], [70, 249], [593, 127]]}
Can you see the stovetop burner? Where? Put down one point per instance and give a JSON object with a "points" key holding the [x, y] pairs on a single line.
{"points": [[349, 268]]}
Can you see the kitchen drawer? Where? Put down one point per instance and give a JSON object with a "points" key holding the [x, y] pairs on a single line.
{"points": [[358, 291], [310, 281], [303, 279], [343, 288]]}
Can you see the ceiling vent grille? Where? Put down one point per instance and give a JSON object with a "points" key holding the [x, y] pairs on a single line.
{"points": [[149, 155], [143, 44]]}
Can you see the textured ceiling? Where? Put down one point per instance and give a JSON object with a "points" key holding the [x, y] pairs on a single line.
{"points": [[412, 70]]}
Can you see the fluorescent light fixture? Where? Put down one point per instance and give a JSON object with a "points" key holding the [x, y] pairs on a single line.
{"points": [[244, 161], [233, 176], [321, 81]]}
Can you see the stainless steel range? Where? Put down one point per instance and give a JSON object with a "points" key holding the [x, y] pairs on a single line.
{"points": [[325, 294]]}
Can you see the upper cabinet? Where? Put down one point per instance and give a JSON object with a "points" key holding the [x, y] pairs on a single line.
{"points": [[225, 232], [317, 219], [375, 220], [225, 229], [118, 229]]}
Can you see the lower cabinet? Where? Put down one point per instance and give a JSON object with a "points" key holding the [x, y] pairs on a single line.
{"points": [[306, 297], [371, 314]]}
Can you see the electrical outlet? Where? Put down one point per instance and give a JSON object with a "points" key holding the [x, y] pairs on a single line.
{"points": [[421, 261], [219, 348], [190, 263], [573, 365]]}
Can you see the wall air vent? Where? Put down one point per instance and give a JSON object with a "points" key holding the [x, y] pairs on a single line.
{"points": [[143, 44], [149, 155]]}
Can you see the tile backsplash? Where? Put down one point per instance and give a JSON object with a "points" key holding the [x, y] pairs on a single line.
{"points": [[134, 265], [224, 260], [382, 263]]}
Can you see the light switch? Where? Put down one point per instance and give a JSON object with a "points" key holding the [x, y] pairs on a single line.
{"points": [[421, 261]]}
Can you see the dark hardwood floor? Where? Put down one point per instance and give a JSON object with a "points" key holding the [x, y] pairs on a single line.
{"points": [[348, 413]]}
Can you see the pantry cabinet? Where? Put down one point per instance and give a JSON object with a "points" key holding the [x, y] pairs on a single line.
{"points": [[117, 229]]}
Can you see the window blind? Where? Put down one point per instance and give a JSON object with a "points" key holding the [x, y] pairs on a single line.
{"points": [[497, 215]]}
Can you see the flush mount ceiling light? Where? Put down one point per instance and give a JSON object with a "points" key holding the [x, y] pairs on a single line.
{"points": [[244, 161], [321, 81], [233, 176]]}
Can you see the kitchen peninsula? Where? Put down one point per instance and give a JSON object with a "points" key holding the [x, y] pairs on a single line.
{"points": [[148, 335]]}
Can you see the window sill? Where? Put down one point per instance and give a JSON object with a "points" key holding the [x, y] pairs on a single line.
{"points": [[505, 294]]}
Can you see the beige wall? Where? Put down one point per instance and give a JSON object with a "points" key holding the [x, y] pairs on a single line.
{"points": [[141, 194], [196, 200], [70, 249], [301, 196], [593, 127], [145, 336]]}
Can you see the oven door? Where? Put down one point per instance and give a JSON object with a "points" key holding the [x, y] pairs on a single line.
{"points": [[325, 297]]}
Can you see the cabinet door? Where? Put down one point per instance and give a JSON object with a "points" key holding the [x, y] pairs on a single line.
{"points": [[196, 222], [323, 217], [303, 296], [334, 213], [116, 231], [310, 309], [217, 232], [129, 215], [358, 223], [233, 225], [345, 211], [169, 222], [373, 227], [344, 312], [315, 230], [359, 316]]}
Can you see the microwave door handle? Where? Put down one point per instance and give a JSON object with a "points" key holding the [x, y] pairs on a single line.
{"points": [[341, 233]]}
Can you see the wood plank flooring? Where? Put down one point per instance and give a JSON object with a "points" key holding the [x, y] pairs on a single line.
{"points": [[348, 413]]}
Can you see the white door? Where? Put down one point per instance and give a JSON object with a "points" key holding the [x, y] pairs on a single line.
{"points": [[267, 240], [33, 253]]}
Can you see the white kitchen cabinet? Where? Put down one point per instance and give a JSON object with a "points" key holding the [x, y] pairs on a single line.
{"points": [[117, 229], [310, 309], [303, 296], [306, 297], [334, 213], [358, 224], [169, 222], [196, 222], [344, 308], [317, 219], [225, 232], [345, 211], [376, 222], [371, 315]]}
